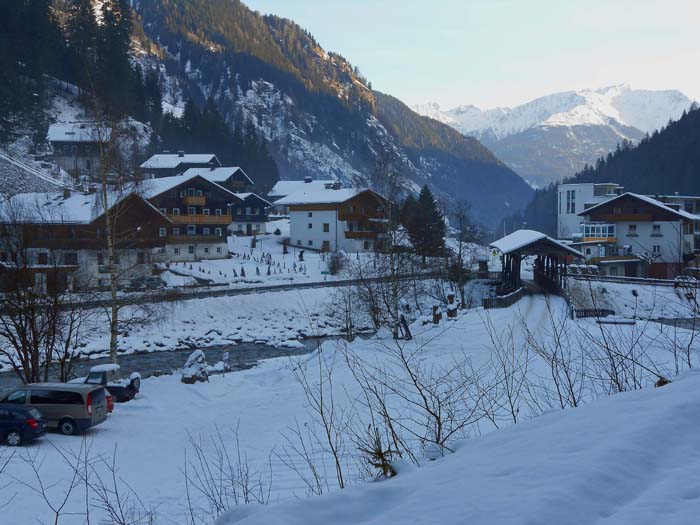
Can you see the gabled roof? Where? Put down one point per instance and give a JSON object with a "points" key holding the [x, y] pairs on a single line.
{"points": [[78, 132], [520, 240], [244, 196], [649, 200], [173, 160], [321, 196], [220, 174], [284, 188], [154, 187]]}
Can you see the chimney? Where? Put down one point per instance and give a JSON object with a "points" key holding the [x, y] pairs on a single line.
{"points": [[308, 179], [180, 153], [66, 192]]}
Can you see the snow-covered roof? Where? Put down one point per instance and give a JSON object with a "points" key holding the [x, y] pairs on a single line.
{"points": [[77, 132], [107, 367], [649, 200], [154, 187], [287, 187], [244, 196], [220, 174], [320, 196], [53, 207], [522, 238], [173, 160]]}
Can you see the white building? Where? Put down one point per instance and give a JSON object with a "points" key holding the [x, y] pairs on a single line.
{"points": [[639, 236], [572, 199], [284, 188], [328, 219]]}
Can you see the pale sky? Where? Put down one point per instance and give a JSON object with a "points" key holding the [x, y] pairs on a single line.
{"points": [[505, 52]]}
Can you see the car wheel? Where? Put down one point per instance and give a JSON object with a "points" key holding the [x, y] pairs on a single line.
{"points": [[136, 383], [67, 427], [13, 438]]}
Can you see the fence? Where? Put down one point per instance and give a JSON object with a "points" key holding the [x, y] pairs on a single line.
{"points": [[504, 301]]}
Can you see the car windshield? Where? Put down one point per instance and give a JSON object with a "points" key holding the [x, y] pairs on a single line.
{"points": [[94, 378]]}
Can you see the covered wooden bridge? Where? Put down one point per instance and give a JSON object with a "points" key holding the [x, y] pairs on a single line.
{"points": [[551, 260]]}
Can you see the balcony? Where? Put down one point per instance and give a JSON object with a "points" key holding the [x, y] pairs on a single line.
{"points": [[360, 235], [201, 219], [602, 240], [192, 200]]}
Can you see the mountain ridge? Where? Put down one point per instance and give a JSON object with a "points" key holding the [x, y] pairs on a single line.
{"points": [[532, 138]]}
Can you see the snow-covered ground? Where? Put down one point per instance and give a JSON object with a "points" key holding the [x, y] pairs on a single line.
{"points": [[602, 458], [636, 301], [631, 458]]}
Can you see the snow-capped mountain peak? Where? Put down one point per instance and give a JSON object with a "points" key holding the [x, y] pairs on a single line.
{"points": [[618, 104]]}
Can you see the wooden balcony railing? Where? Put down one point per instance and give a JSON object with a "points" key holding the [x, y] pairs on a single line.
{"points": [[195, 200], [194, 239], [201, 219]]}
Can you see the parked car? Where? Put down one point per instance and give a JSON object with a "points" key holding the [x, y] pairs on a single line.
{"points": [[67, 407], [20, 424], [108, 376]]}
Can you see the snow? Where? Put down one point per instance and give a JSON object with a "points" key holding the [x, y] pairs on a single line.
{"points": [[288, 187], [614, 105], [173, 160], [77, 132], [649, 200], [632, 458], [521, 238], [320, 196], [154, 187], [220, 174], [52, 207], [108, 367], [627, 459]]}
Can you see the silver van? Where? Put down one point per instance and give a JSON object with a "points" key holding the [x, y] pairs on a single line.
{"points": [[67, 407]]}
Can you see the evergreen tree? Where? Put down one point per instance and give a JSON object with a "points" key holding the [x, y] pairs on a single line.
{"points": [[426, 226]]}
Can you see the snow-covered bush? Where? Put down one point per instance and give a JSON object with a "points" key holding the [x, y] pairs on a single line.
{"points": [[195, 368]]}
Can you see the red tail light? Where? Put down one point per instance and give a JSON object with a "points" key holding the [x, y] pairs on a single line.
{"points": [[33, 423], [89, 403], [110, 403]]}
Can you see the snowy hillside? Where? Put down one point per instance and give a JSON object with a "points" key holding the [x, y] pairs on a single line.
{"points": [[632, 458], [587, 124]]}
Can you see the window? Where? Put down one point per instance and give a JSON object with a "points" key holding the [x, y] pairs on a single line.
{"points": [[199, 193], [570, 201], [43, 258], [191, 229], [70, 258], [191, 210], [176, 251], [239, 211], [310, 226], [163, 210], [326, 246], [656, 229], [100, 259], [656, 250], [176, 211], [257, 228], [162, 232], [247, 210], [140, 258], [311, 243], [206, 251], [617, 211], [218, 249], [183, 193], [240, 227], [190, 192], [18, 397], [176, 231], [206, 211], [256, 211], [54, 397], [366, 245], [190, 250], [218, 232], [298, 243], [217, 211], [88, 164], [205, 231], [613, 271], [310, 214], [631, 229]]}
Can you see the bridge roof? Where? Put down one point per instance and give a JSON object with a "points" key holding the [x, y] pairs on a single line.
{"points": [[530, 242]]}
